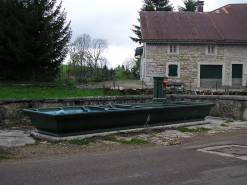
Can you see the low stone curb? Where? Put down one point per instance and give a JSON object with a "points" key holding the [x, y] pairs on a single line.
{"points": [[137, 130]]}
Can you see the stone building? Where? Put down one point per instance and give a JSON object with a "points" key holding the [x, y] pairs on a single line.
{"points": [[202, 49]]}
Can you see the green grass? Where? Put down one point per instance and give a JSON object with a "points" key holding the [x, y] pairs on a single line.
{"points": [[64, 68], [135, 141], [16, 92], [224, 125], [3, 155], [215, 115], [229, 121], [80, 142], [37, 142], [109, 138], [93, 83], [202, 129]]}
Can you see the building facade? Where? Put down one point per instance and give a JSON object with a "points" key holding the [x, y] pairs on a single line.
{"points": [[197, 48]]}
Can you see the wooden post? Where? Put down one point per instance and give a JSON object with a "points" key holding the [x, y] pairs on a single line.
{"points": [[103, 88], [194, 90], [212, 93]]}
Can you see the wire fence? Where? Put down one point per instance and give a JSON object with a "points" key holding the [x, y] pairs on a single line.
{"points": [[66, 75]]}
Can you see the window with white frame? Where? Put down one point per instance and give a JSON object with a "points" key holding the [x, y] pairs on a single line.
{"points": [[211, 50], [173, 49]]}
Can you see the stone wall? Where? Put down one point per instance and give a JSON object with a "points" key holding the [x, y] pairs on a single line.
{"points": [[226, 105], [11, 113], [190, 57]]}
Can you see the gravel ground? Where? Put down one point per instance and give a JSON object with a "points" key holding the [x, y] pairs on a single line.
{"points": [[135, 84], [47, 150]]}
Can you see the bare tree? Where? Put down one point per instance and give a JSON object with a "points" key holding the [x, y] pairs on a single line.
{"points": [[129, 63], [103, 66], [89, 62], [99, 46], [73, 58], [80, 48]]}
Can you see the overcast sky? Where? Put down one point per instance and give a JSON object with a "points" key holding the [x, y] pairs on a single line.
{"points": [[112, 20]]}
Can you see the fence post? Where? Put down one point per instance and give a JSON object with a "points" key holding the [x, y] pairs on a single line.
{"points": [[103, 88], [212, 93], [194, 90]]}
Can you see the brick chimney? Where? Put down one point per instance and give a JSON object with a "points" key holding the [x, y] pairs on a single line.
{"points": [[199, 6]]}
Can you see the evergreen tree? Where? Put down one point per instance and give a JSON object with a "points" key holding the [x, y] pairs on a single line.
{"points": [[156, 5], [34, 39], [190, 5], [136, 68], [150, 5]]}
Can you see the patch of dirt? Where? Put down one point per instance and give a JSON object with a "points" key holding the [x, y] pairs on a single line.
{"points": [[62, 149]]}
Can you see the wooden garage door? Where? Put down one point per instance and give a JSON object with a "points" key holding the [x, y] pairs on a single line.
{"points": [[211, 72], [237, 70]]}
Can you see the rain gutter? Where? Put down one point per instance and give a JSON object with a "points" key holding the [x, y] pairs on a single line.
{"points": [[198, 42]]}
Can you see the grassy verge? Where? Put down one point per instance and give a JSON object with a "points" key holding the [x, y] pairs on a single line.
{"points": [[202, 129], [229, 121], [80, 142], [224, 125], [12, 92], [37, 142], [135, 141], [93, 83], [3, 155]]}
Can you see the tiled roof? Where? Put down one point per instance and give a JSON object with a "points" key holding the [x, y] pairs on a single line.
{"points": [[224, 24]]}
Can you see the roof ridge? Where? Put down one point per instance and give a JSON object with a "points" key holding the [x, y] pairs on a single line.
{"points": [[227, 5], [219, 32], [173, 12]]}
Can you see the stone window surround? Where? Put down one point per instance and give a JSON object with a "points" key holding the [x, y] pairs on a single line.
{"points": [[177, 49], [215, 50], [142, 67], [173, 63], [210, 63], [144, 49], [244, 75]]}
